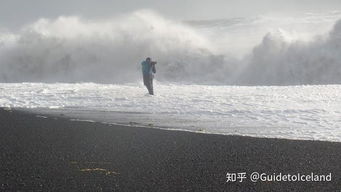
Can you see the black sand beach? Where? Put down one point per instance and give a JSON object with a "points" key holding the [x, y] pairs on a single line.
{"points": [[56, 154]]}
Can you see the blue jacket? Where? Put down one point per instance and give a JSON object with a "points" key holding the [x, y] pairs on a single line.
{"points": [[146, 68]]}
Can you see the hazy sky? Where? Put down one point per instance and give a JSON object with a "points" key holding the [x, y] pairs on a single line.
{"points": [[14, 13]]}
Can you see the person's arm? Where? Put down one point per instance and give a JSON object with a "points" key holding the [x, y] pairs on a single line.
{"points": [[153, 68]]}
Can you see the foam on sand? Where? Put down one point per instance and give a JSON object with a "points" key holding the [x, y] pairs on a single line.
{"points": [[293, 112]]}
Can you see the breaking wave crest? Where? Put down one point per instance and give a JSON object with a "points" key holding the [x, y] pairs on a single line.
{"points": [[73, 49]]}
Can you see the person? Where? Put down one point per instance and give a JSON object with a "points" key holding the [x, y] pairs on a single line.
{"points": [[148, 71]]}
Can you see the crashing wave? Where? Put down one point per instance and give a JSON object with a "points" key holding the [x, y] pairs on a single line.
{"points": [[72, 49]]}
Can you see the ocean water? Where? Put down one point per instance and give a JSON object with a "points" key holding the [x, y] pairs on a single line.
{"points": [[261, 76]]}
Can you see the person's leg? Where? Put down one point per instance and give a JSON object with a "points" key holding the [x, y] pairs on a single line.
{"points": [[151, 85], [145, 80]]}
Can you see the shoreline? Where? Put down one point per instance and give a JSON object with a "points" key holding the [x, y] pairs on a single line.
{"points": [[56, 154], [67, 115]]}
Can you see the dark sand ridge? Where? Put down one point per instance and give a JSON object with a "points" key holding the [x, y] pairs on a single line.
{"points": [[56, 154]]}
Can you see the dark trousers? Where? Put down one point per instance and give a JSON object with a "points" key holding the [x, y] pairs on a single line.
{"points": [[148, 82]]}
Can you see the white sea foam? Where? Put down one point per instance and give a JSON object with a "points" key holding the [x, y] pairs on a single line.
{"points": [[293, 112]]}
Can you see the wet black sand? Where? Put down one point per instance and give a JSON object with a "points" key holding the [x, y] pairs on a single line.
{"points": [[55, 154]]}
